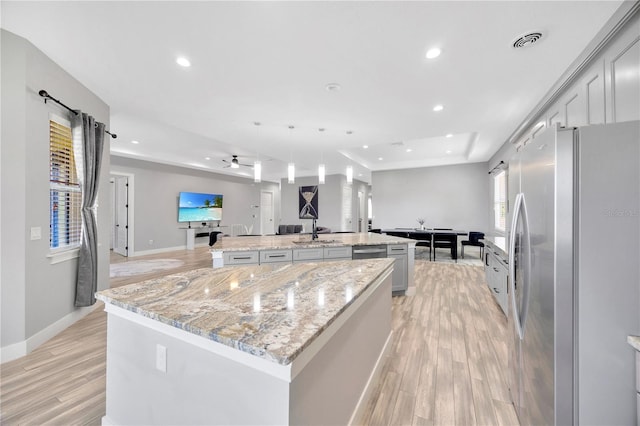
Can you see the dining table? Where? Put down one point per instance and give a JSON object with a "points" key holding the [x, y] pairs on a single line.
{"points": [[442, 234]]}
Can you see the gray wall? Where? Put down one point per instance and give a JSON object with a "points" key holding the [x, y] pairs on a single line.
{"points": [[445, 196], [330, 202], [156, 189], [34, 293]]}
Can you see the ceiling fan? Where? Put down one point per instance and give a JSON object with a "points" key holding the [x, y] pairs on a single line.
{"points": [[235, 164]]}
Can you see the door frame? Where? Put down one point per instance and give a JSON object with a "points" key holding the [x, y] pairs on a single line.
{"points": [[130, 210]]}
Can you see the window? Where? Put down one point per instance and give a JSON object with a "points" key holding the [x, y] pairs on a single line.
{"points": [[500, 201], [65, 196]]}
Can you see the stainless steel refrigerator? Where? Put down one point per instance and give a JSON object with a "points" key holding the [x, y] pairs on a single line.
{"points": [[574, 291]]}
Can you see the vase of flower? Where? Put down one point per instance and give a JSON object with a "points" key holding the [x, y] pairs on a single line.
{"points": [[421, 222]]}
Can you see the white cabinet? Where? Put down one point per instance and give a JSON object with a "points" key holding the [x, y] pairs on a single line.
{"points": [[308, 255], [336, 253], [400, 268], [241, 257], [273, 256], [497, 276]]}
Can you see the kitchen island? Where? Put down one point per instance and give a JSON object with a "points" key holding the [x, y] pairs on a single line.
{"points": [[263, 344], [254, 250]]}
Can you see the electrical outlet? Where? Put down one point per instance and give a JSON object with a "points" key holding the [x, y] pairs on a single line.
{"points": [[161, 358], [36, 233], [150, 242]]}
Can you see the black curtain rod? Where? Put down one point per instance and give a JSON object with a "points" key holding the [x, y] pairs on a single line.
{"points": [[497, 167], [46, 96]]}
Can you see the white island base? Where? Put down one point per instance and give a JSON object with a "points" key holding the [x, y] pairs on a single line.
{"points": [[206, 382]]}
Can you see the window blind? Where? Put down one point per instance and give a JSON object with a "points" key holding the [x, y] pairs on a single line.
{"points": [[65, 195], [500, 201]]}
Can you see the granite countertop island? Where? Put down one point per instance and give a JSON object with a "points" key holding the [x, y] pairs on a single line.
{"points": [[297, 241], [258, 344]]}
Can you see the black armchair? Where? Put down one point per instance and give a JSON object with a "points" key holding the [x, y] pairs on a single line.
{"points": [[213, 237], [474, 240]]}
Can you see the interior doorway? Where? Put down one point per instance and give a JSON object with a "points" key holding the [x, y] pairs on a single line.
{"points": [[122, 214], [266, 213]]}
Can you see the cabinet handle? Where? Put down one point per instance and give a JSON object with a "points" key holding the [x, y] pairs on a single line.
{"points": [[241, 257], [275, 255], [496, 290], [495, 269]]}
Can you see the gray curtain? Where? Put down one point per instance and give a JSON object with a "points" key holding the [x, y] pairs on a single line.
{"points": [[92, 135]]}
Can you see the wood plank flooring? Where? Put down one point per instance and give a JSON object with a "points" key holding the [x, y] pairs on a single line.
{"points": [[446, 366]]}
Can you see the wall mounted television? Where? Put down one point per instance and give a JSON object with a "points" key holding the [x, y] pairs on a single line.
{"points": [[197, 207]]}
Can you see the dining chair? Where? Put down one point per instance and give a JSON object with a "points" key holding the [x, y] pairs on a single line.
{"points": [[450, 241], [424, 240], [474, 240]]}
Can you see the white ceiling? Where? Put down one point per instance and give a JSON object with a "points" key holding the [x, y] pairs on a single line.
{"points": [[270, 62]]}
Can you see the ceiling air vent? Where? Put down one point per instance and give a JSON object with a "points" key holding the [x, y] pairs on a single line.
{"points": [[527, 40]]}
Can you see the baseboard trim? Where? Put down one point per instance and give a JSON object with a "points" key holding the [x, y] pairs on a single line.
{"points": [[20, 349], [157, 251], [164, 250]]}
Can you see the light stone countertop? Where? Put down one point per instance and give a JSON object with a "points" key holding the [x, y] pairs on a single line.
{"points": [[634, 341], [286, 242], [272, 311], [499, 244]]}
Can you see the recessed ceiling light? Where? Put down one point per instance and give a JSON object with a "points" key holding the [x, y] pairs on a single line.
{"points": [[449, 135], [409, 150], [365, 146], [349, 132], [136, 142], [433, 53], [448, 151], [207, 158], [438, 108], [183, 62], [333, 87], [380, 158]]}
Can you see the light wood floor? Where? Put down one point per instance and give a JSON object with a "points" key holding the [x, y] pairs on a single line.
{"points": [[446, 366]]}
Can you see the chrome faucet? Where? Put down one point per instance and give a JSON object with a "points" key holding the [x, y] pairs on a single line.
{"points": [[314, 231]]}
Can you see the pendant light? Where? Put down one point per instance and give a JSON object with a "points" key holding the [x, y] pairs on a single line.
{"points": [[257, 165], [291, 169], [291, 173], [349, 175], [321, 169]]}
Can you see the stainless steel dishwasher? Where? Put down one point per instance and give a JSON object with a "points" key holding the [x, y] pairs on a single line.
{"points": [[368, 252]]}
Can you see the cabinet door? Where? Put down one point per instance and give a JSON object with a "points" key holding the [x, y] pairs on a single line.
{"points": [[307, 254], [399, 277], [336, 253], [240, 258], [272, 256]]}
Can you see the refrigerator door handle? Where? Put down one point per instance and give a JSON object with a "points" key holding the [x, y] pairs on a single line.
{"points": [[519, 213]]}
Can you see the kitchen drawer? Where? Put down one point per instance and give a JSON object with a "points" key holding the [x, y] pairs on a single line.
{"points": [[300, 255], [272, 256], [240, 258], [337, 252], [397, 249]]}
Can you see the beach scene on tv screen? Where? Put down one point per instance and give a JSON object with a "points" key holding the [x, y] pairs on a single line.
{"points": [[195, 207]]}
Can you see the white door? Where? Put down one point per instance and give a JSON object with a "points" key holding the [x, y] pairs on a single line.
{"points": [[361, 227], [121, 209], [266, 213], [347, 209]]}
